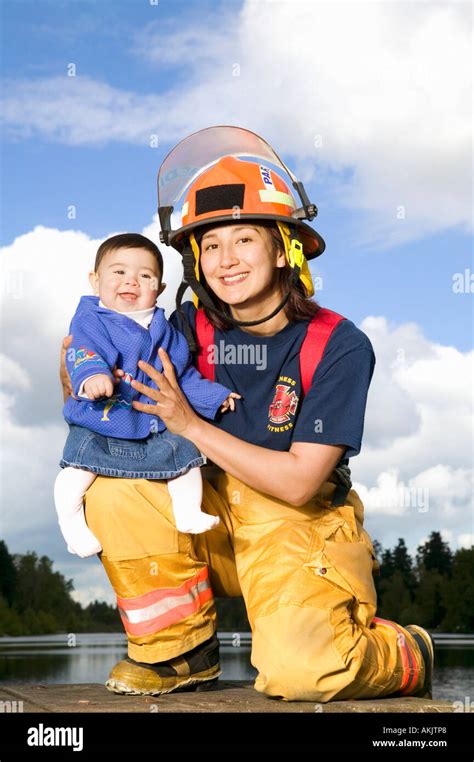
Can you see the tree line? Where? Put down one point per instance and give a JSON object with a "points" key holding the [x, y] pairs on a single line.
{"points": [[36, 600], [435, 590]]}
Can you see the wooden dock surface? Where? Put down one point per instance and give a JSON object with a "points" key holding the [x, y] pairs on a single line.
{"points": [[237, 696]]}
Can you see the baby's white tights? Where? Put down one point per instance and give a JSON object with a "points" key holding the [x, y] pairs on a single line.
{"points": [[69, 489], [186, 497]]}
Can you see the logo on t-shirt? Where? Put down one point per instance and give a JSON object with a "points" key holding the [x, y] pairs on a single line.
{"points": [[283, 406]]}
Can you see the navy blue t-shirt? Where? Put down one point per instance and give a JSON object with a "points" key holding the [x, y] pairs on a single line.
{"points": [[265, 371]]}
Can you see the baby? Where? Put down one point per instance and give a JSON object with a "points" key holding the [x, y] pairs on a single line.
{"points": [[115, 329]]}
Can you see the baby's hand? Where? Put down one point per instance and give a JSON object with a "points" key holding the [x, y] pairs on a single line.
{"points": [[229, 402], [99, 386]]}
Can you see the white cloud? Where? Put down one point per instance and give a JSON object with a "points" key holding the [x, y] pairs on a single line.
{"points": [[441, 489], [90, 581], [12, 374], [79, 111], [166, 43], [420, 403], [382, 88], [29, 458], [415, 470]]}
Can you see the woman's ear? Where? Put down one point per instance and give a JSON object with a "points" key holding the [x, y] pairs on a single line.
{"points": [[281, 258], [94, 282], [277, 247]]}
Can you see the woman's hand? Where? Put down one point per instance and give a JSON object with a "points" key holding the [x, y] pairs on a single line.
{"points": [[170, 403], [64, 376]]}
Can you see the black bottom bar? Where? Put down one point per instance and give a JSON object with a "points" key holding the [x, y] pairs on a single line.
{"points": [[121, 734]]}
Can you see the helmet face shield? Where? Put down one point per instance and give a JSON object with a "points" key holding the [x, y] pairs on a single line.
{"points": [[201, 150]]}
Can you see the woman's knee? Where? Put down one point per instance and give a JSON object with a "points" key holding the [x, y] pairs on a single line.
{"points": [[301, 655]]}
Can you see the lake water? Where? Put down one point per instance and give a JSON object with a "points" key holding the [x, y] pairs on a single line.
{"points": [[88, 658]]}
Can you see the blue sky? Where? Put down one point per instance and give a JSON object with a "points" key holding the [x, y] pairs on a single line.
{"points": [[395, 126]]}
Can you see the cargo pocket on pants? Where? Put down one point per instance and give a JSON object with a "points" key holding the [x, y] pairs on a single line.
{"points": [[348, 566]]}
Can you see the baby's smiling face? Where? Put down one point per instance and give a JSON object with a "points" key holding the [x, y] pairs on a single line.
{"points": [[127, 280]]}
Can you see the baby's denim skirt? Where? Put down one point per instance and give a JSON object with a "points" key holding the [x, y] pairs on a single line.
{"points": [[161, 455]]}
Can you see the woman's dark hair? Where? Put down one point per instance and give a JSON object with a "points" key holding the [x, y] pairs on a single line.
{"points": [[298, 307], [128, 241]]}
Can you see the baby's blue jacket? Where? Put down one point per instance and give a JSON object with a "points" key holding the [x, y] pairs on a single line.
{"points": [[102, 340]]}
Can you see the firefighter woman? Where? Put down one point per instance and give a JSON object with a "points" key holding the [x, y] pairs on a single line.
{"points": [[290, 538]]}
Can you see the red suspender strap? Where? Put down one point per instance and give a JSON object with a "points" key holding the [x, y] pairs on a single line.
{"points": [[205, 339], [312, 349]]}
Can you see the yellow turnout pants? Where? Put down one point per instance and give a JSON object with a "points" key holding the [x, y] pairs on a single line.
{"points": [[305, 574]]}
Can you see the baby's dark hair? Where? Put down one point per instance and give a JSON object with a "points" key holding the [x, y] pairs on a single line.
{"points": [[128, 241]]}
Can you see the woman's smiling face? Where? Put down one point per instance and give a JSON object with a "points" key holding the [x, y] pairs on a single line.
{"points": [[239, 261]]}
